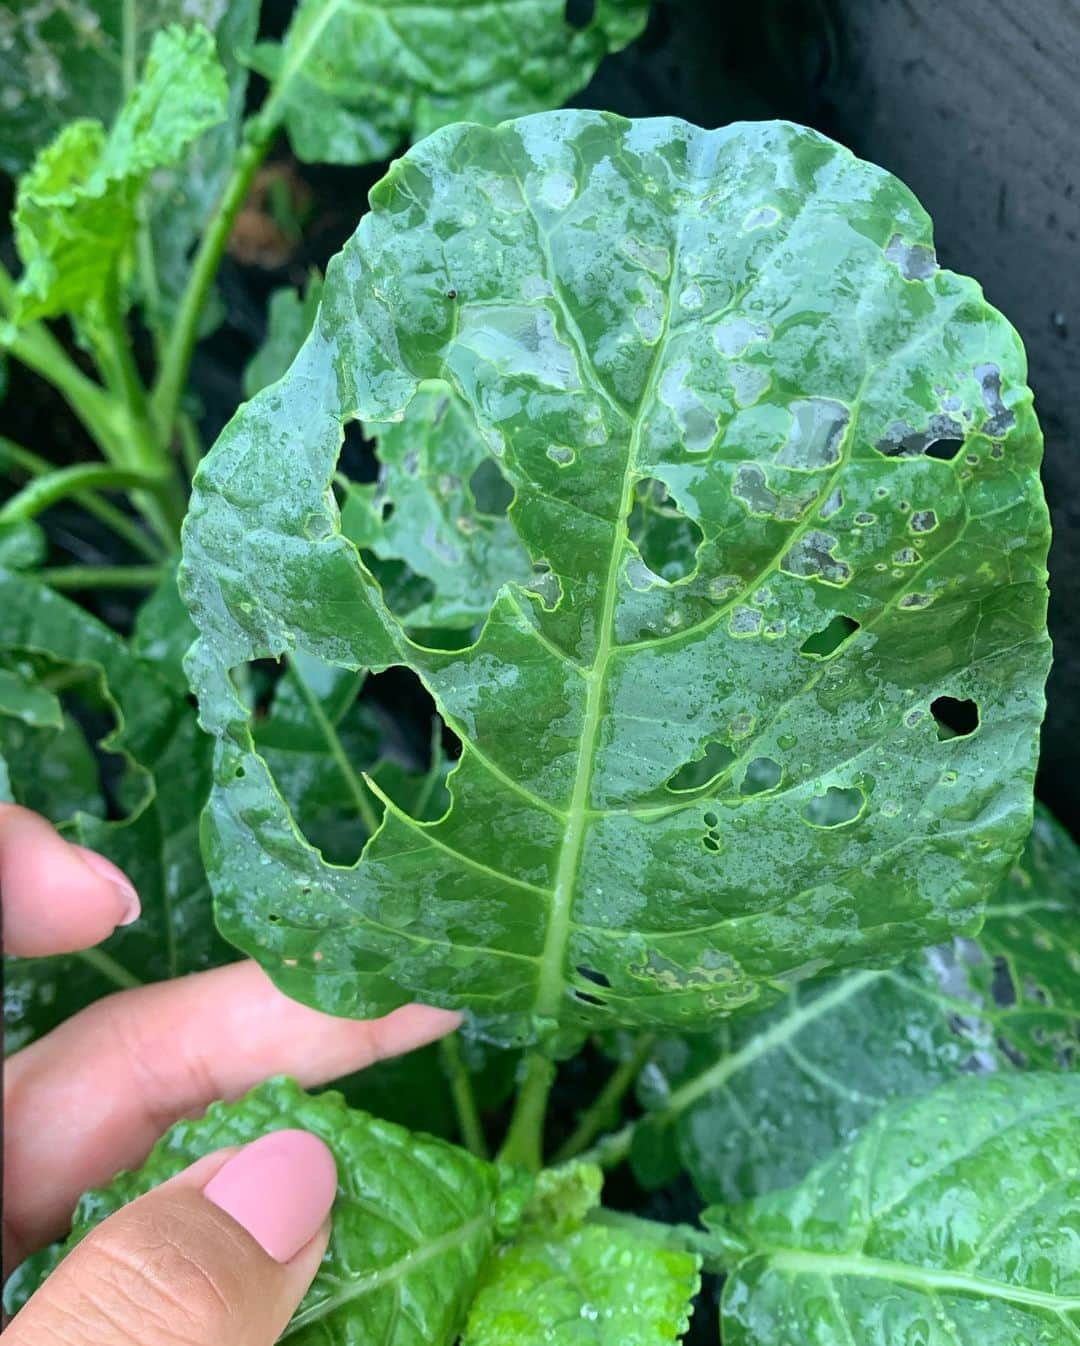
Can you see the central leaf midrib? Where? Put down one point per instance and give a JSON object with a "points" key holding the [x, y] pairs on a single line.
{"points": [[552, 979], [930, 1279]]}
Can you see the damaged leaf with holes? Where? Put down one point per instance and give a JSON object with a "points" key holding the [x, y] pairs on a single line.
{"points": [[752, 1104], [717, 750]]}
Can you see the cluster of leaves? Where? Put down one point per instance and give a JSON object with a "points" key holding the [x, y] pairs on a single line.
{"points": [[708, 518]]}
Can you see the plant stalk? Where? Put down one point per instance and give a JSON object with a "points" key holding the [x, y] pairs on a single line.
{"points": [[468, 1116], [180, 345], [524, 1143], [611, 1150], [605, 1108], [47, 489], [102, 577], [121, 524]]}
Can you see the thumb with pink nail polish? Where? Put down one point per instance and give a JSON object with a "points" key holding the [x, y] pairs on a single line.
{"points": [[235, 1240]]}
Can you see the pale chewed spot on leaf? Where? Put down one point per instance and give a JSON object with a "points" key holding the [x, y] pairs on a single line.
{"points": [[708, 734]]}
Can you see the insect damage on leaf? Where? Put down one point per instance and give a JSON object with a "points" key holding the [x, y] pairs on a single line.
{"points": [[700, 754], [753, 1103]]}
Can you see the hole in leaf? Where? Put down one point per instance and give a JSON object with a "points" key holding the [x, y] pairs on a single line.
{"points": [[591, 974], [357, 457], [586, 998], [667, 538], [490, 489], [710, 842], [273, 917], [835, 807], [1002, 986], [762, 774], [830, 638], [944, 449], [717, 757], [955, 719], [710, 819], [579, 13]]}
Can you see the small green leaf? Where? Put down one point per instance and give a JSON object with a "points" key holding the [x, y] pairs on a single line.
{"points": [[729, 314], [439, 508], [22, 545], [152, 736], [289, 320], [413, 1221], [60, 63], [76, 209], [952, 1218], [596, 1285], [355, 78], [752, 1105]]}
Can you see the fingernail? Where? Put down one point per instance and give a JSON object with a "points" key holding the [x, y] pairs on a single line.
{"points": [[280, 1188], [130, 905]]}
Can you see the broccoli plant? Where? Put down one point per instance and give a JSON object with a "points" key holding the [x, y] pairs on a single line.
{"points": [[707, 537]]}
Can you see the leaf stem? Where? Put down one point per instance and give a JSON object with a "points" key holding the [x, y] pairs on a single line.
{"points": [[104, 418], [102, 577], [355, 784], [109, 968], [719, 1249], [56, 485], [121, 524], [468, 1116], [605, 1108], [611, 1150], [524, 1143], [180, 344]]}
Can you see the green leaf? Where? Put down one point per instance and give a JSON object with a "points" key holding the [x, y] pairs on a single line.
{"points": [[595, 1285], [289, 320], [152, 736], [22, 545], [164, 632], [753, 1105], [59, 63], [727, 313], [413, 1221], [440, 506], [353, 79], [23, 700], [953, 1218], [76, 209]]}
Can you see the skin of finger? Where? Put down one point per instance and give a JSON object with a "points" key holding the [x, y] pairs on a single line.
{"points": [[52, 901], [94, 1095], [170, 1267]]}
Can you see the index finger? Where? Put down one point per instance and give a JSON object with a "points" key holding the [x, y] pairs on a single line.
{"points": [[56, 897]]}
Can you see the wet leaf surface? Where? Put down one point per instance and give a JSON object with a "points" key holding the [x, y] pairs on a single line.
{"points": [[736, 330], [953, 1218]]}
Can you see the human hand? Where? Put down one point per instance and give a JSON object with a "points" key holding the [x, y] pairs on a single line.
{"points": [[222, 1254]]}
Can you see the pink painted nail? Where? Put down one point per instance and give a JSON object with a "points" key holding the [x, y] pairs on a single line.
{"points": [[129, 898], [280, 1188]]}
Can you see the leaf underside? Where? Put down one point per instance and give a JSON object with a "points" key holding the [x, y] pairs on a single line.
{"points": [[677, 792], [752, 1105], [952, 1219], [412, 1224]]}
